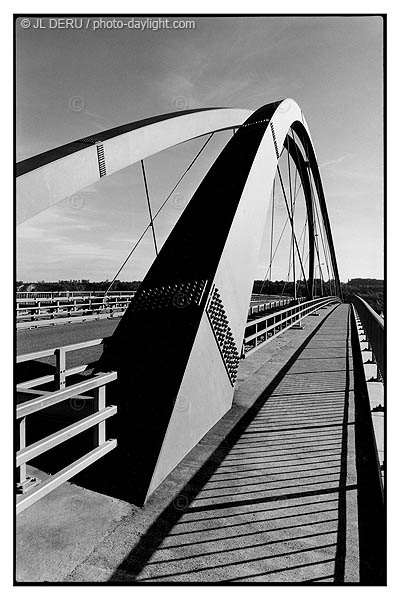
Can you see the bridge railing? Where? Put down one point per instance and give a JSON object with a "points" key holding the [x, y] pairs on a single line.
{"points": [[56, 310], [21, 296], [30, 489], [43, 313], [374, 328], [260, 331], [61, 371], [268, 304]]}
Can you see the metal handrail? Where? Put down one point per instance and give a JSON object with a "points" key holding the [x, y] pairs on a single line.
{"points": [[61, 371], [260, 331], [31, 406], [374, 328], [30, 490]]}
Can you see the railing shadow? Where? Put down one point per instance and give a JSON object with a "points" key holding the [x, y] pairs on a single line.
{"points": [[186, 503]]}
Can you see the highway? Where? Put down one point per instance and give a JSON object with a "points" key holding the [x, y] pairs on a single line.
{"points": [[33, 340]]}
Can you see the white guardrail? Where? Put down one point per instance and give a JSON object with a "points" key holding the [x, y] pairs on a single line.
{"points": [[29, 490], [40, 310]]}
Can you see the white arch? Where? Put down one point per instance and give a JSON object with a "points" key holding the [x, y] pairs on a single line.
{"points": [[211, 255], [62, 177]]}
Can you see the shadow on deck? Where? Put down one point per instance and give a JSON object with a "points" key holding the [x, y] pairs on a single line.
{"points": [[291, 495]]}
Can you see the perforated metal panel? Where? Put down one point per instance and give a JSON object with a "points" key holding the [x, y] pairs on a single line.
{"points": [[175, 295], [102, 161], [223, 334]]}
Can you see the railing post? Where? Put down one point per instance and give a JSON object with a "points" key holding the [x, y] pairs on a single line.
{"points": [[23, 482], [21, 477], [98, 404], [60, 368]]}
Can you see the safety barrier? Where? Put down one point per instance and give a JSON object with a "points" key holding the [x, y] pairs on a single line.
{"points": [[268, 305], [30, 489], [42, 314], [260, 331], [61, 372]]}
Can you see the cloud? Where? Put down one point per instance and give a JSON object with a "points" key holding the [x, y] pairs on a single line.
{"points": [[336, 161]]}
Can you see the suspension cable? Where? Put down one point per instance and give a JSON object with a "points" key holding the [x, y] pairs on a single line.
{"points": [[279, 240], [315, 210], [302, 251], [158, 211], [149, 207], [291, 222], [325, 252], [272, 230]]}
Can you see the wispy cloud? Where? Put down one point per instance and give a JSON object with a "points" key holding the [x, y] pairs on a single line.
{"points": [[336, 161]]}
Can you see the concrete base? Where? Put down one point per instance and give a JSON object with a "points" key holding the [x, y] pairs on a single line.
{"points": [[58, 532]]}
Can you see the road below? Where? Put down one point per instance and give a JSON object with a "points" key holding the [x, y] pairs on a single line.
{"points": [[34, 340], [54, 336]]}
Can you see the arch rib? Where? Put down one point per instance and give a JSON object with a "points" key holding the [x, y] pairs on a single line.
{"points": [[50, 177]]}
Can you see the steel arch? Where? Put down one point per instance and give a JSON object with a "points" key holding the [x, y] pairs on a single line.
{"points": [[201, 281], [191, 309]]}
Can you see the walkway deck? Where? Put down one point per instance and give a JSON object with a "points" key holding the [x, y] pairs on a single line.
{"points": [[270, 510], [272, 493]]}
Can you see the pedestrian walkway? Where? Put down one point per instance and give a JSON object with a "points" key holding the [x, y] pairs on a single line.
{"points": [[272, 493], [271, 511]]}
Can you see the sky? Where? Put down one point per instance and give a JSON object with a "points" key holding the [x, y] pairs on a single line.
{"points": [[331, 66]]}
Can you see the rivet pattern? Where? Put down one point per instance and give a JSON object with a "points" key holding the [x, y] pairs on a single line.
{"points": [[175, 295], [274, 140], [255, 123], [223, 334]]}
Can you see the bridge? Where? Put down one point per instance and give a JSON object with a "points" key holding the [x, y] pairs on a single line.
{"points": [[202, 433]]}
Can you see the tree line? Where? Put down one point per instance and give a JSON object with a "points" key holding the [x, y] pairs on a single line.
{"points": [[371, 290]]}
